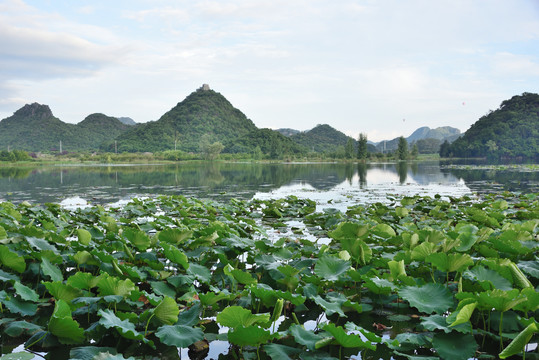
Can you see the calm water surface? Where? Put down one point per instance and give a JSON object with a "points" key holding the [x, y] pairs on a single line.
{"points": [[329, 184]]}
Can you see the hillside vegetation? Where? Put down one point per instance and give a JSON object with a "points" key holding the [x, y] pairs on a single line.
{"points": [[511, 131]]}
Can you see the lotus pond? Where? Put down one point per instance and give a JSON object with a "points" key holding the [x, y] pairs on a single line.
{"points": [[169, 277]]}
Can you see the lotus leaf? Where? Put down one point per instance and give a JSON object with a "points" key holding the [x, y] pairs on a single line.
{"points": [[236, 316], [250, 335], [347, 340], [25, 292], [429, 298], [180, 336], [62, 325], [281, 352], [331, 267], [11, 260], [454, 346], [18, 356], [51, 270], [167, 311]]}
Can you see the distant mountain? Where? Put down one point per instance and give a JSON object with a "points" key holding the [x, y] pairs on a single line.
{"points": [[288, 132], [322, 139], [439, 134], [511, 131], [34, 128], [127, 121], [202, 112]]}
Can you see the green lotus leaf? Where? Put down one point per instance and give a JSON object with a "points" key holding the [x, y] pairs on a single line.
{"points": [[167, 311], [401, 211], [138, 238], [243, 277], [250, 335], [347, 340], [18, 356], [202, 273], [111, 285], [176, 256], [84, 236], [330, 308], [330, 267], [281, 352], [4, 276], [379, 286], [83, 280], [191, 316], [17, 306], [348, 230], [530, 267], [236, 316], [466, 241], [62, 325], [435, 322], [17, 328], [175, 236], [84, 257], [51, 270], [62, 291], [210, 298], [350, 326], [500, 300], [383, 230], [163, 289], [429, 298], [532, 302], [464, 314], [451, 262], [41, 244], [124, 327], [396, 269], [421, 251], [3, 233], [359, 251], [89, 352], [416, 357], [25, 292], [489, 279], [180, 336], [454, 346], [11, 259], [519, 342], [108, 356], [305, 337]]}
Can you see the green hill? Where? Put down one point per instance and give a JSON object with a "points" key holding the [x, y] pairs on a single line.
{"points": [[99, 129], [511, 131], [34, 128], [322, 139], [265, 141], [202, 112]]}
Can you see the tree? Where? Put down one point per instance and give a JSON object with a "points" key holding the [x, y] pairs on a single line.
{"points": [[210, 150], [402, 150], [362, 152], [349, 148], [415, 151]]}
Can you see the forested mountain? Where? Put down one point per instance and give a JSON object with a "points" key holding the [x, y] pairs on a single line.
{"points": [[265, 141], [510, 131], [34, 128], [433, 137], [322, 139], [202, 112], [98, 129]]}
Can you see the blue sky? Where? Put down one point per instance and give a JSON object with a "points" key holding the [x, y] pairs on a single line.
{"points": [[381, 67]]}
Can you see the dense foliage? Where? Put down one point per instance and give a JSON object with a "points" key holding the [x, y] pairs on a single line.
{"points": [[509, 132], [265, 143], [203, 112], [34, 128], [412, 278], [323, 139]]}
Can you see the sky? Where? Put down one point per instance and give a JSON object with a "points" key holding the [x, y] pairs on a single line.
{"points": [[383, 68]]}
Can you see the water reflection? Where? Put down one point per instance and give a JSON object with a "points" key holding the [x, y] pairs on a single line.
{"points": [[220, 180]]}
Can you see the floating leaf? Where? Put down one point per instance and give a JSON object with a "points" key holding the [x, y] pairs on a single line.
{"points": [[62, 325], [429, 298], [454, 346], [180, 336], [84, 236], [25, 292], [236, 316], [11, 260], [167, 311], [89, 352], [330, 267], [18, 356], [249, 335], [347, 340], [51, 270]]}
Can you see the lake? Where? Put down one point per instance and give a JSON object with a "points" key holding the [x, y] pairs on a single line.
{"points": [[329, 184]]}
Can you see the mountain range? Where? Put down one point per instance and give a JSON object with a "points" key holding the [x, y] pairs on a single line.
{"points": [[207, 115]]}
